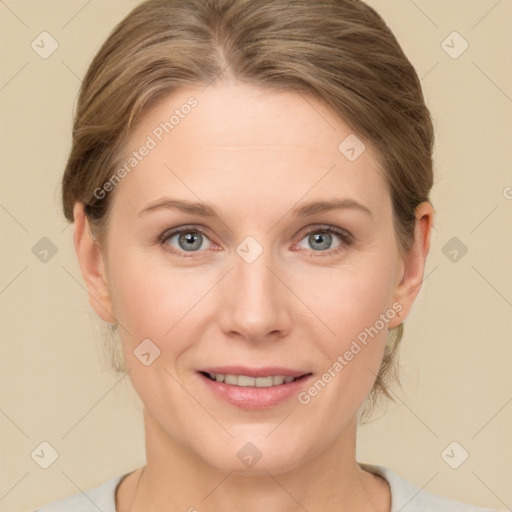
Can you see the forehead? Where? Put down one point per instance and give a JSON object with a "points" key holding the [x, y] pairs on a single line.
{"points": [[252, 143]]}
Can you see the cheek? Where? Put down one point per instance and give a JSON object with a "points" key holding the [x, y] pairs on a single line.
{"points": [[349, 299], [359, 315], [150, 293], [353, 304]]}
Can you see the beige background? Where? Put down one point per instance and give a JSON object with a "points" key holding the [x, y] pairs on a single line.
{"points": [[457, 348]]}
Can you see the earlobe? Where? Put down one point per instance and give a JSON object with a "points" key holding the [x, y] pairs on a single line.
{"points": [[410, 278], [92, 265]]}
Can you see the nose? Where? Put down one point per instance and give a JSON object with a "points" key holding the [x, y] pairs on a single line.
{"points": [[256, 304]]}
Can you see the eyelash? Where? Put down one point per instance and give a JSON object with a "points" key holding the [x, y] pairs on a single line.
{"points": [[345, 236]]}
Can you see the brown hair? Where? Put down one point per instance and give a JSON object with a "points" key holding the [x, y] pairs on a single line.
{"points": [[339, 51]]}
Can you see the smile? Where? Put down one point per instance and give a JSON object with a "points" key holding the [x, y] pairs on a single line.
{"points": [[267, 389], [246, 381]]}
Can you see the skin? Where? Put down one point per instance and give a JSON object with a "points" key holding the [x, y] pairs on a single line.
{"points": [[254, 154]]}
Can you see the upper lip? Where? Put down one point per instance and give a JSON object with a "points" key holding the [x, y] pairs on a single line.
{"points": [[254, 372]]}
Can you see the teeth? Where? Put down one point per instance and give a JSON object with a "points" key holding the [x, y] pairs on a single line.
{"points": [[245, 381]]}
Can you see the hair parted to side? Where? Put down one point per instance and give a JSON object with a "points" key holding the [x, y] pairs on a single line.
{"points": [[339, 51]]}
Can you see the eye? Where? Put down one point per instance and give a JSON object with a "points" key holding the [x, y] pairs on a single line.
{"points": [[190, 239], [320, 239], [187, 239]]}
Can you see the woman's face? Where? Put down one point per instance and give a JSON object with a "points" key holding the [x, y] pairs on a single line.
{"points": [[259, 285]]}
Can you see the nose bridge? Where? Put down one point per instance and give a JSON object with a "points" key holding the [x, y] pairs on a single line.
{"points": [[254, 304]]}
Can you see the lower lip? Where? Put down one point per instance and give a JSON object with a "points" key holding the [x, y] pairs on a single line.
{"points": [[253, 397]]}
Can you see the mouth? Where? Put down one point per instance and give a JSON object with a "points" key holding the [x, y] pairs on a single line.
{"points": [[250, 388], [247, 381]]}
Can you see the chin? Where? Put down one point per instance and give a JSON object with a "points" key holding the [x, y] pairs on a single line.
{"points": [[254, 454]]}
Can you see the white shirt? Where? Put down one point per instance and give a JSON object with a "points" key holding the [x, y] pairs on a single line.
{"points": [[405, 497]]}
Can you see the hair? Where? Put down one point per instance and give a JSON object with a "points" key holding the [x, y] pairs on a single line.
{"points": [[339, 51]]}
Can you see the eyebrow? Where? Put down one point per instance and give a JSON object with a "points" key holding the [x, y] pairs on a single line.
{"points": [[207, 210]]}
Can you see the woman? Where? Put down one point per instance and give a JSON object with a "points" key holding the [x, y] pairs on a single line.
{"points": [[249, 183]]}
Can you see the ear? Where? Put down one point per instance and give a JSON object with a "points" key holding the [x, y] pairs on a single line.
{"points": [[412, 265], [92, 266]]}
